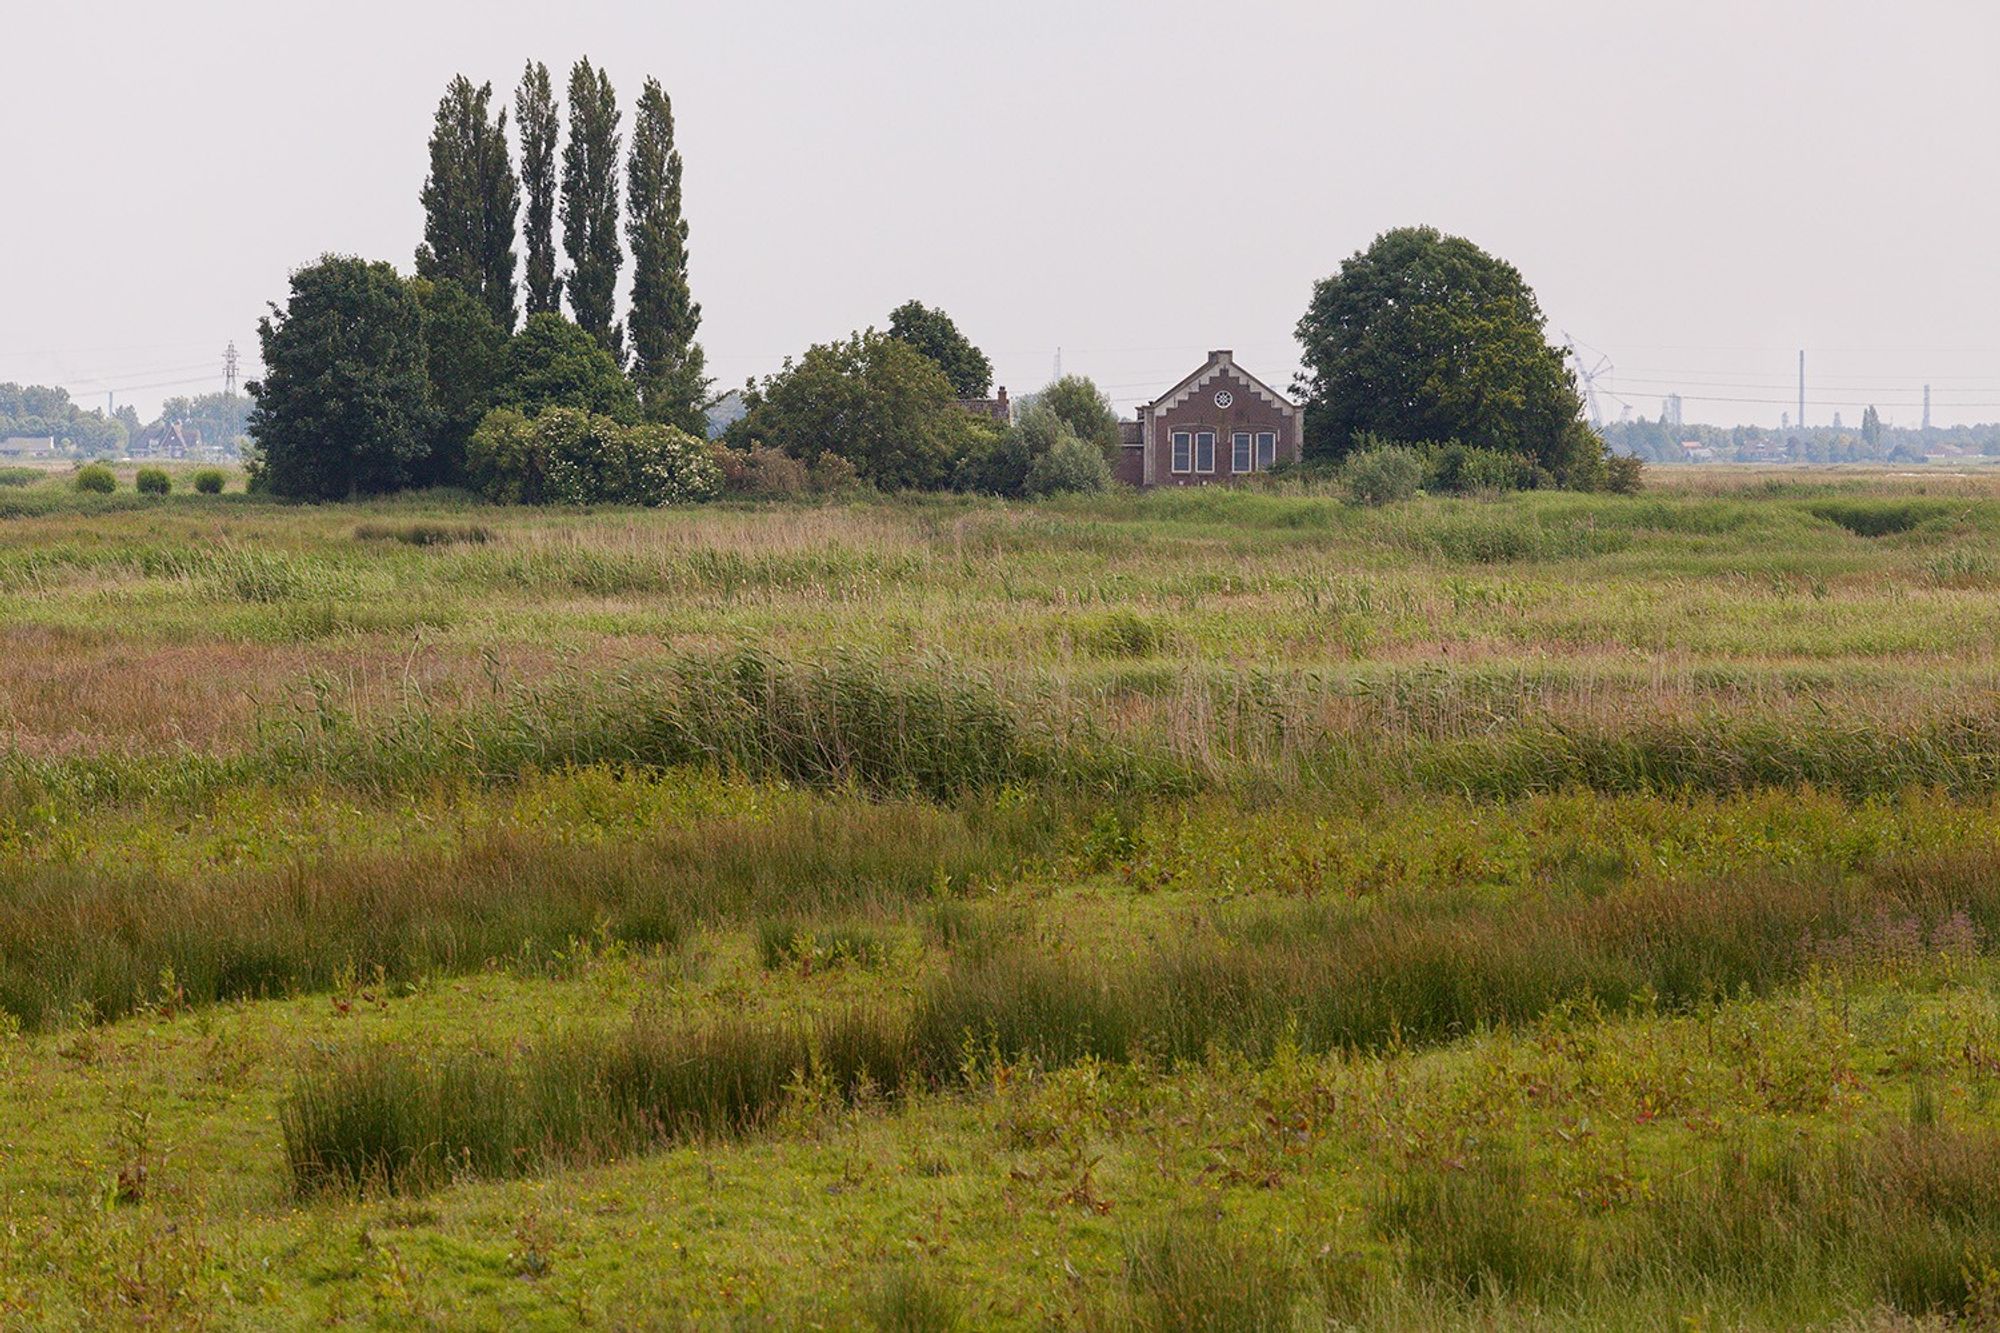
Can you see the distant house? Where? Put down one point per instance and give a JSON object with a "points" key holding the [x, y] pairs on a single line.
{"points": [[164, 439], [28, 446], [994, 409], [1218, 424]]}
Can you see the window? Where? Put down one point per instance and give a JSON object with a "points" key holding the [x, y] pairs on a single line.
{"points": [[1204, 451], [1181, 445], [1239, 451], [1267, 449]]}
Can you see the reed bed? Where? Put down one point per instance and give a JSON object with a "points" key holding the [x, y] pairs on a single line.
{"points": [[1314, 980]]}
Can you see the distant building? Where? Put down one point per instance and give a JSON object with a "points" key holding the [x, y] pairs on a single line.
{"points": [[994, 409], [165, 439], [1218, 424], [28, 446]]}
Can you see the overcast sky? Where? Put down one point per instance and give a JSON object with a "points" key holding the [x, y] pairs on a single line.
{"points": [[1697, 189]]}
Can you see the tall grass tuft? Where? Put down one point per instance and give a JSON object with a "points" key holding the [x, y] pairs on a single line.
{"points": [[839, 724], [1181, 1274], [1330, 983], [1903, 1218], [382, 1117], [76, 936]]}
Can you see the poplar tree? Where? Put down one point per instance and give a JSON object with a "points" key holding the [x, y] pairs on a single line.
{"points": [[590, 206], [667, 362], [471, 200], [536, 115]]}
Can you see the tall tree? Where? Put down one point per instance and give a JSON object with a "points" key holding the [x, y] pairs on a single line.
{"points": [[1425, 337], [873, 400], [537, 116], [590, 206], [344, 405], [667, 362], [933, 333], [464, 355], [471, 199], [553, 363]]}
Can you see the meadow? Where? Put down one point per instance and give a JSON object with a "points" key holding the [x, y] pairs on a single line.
{"points": [[1224, 909]]}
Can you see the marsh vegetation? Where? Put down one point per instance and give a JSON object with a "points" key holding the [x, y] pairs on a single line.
{"points": [[1224, 909]]}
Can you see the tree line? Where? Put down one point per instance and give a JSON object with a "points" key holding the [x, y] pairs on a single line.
{"points": [[41, 411], [1874, 441], [376, 381]]}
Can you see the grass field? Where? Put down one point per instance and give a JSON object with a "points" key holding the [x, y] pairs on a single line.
{"points": [[1202, 910]]}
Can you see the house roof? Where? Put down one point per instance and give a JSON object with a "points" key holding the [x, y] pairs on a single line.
{"points": [[1218, 362]]}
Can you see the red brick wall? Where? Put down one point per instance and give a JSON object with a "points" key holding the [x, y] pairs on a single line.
{"points": [[1248, 411]]}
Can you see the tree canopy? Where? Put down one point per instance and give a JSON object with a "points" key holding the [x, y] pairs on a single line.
{"points": [[553, 362], [1084, 408], [536, 117], [344, 406], [590, 206], [667, 362], [46, 412], [1425, 337], [471, 200], [933, 333], [871, 399], [465, 358]]}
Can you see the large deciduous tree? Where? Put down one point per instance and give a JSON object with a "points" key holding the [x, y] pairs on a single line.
{"points": [[536, 117], [590, 206], [933, 333], [344, 405], [1085, 409], [471, 200], [1425, 337], [554, 363], [873, 400], [465, 353], [667, 362]]}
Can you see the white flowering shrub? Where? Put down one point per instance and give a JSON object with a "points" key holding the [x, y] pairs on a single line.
{"points": [[570, 457]]}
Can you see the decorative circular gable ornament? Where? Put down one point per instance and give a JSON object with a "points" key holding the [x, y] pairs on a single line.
{"points": [[1225, 399]]}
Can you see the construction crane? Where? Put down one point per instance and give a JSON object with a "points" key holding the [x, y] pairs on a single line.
{"points": [[1593, 369]]}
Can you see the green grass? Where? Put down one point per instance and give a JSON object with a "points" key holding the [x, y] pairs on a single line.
{"points": [[1225, 909]]}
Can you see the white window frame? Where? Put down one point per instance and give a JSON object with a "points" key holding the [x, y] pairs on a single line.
{"points": [[1267, 449], [1209, 436], [1242, 451], [1182, 445]]}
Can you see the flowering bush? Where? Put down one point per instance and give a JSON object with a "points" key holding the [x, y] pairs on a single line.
{"points": [[566, 456], [666, 466]]}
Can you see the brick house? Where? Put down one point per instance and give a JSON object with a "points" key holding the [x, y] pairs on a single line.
{"points": [[1217, 424], [993, 409]]}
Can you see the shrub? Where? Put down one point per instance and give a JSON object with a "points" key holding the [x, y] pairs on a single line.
{"points": [[568, 456], [833, 474], [995, 462], [1384, 474], [1624, 474], [1460, 468], [1071, 465], [153, 481], [503, 461], [664, 465], [96, 479], [768, 471], [209, 481]]}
